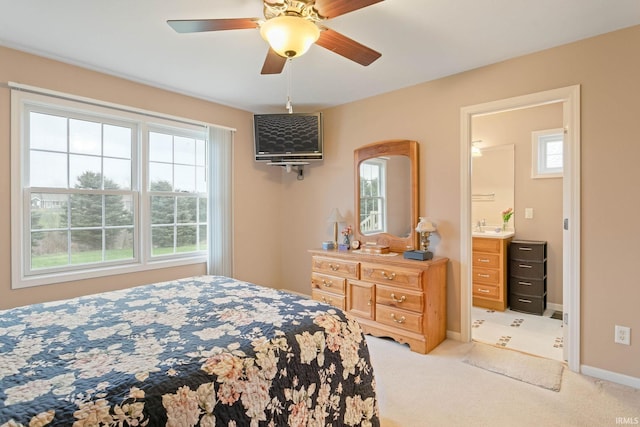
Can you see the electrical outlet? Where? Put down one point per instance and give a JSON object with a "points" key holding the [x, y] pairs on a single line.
{"points": [[623, 335]]}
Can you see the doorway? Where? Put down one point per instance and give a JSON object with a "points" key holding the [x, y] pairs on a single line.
{"points": [[569, 97]]}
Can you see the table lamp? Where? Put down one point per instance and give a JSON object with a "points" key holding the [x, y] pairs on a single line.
{"points": [[335, 218]]}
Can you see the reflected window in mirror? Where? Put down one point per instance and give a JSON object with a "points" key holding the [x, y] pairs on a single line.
{"points": [[373, 201]]}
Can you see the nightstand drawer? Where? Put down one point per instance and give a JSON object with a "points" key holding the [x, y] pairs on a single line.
{"points": [[486, 260], [400, 298], [399, 318], [336, 267], [486, 275], [392, 275], [328, 298], [526, 269], [328, 283], [528, 250], [486, 291]]}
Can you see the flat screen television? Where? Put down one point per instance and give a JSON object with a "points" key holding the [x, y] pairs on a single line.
{"points": [[282, 138]]}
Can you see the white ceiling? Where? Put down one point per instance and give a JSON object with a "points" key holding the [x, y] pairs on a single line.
{"points": [[420, 40]]}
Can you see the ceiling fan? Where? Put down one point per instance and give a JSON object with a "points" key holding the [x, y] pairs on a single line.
{"points": [[291, 27]]}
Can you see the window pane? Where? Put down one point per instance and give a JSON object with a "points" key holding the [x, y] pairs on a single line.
{"points": [[184, 150], [85, 172], [48, 211], [117, 174], [162, 210], [47, 169], [554, 154], [186, 238], [160, 177], [162, 240], [85, 137], [86, 246], [117, 141], [49, 249], [201, 153], [202, 213], [86, 210], [47, 132], [160, 147], [118, 210], [203, 237], [187, 210], [201, 181], [185, 178], [118, 244]]}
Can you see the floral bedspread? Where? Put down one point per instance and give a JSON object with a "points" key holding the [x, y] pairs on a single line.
{"points": [[209, 351]]}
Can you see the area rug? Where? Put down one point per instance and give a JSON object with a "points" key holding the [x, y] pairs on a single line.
{"points": [[545, 373]]}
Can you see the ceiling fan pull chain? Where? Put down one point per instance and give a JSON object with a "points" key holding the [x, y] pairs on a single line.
{"points": [[289, 105]]}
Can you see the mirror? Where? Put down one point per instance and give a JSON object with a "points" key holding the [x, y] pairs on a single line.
{"points": [[386, 199]]}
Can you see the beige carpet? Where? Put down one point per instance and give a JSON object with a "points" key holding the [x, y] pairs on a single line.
{"points": [[439, 389], [538, 371]]}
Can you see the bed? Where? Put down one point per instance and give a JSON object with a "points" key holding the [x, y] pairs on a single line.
{"points": [[208, 351]]}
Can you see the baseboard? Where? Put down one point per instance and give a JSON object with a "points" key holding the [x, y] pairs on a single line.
{"points": [[454, 335], [610, 376], [554, 307]]}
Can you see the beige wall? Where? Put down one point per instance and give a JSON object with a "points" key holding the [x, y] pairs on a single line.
{"points": [[544, 196], [607, 68], [257, 189], [277, 217]]}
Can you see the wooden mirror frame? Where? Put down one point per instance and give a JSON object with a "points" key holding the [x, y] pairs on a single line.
{"points": [[398, 147]]}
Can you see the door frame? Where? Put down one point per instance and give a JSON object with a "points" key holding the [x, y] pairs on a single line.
{"points": [[570, 98]]}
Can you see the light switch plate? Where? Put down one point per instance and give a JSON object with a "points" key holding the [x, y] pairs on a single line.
{"points": [[528, 213]]}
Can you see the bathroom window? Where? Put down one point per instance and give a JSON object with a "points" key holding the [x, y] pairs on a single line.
{"points": [[547, 153]]}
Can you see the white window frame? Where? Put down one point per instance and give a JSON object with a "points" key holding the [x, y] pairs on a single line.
{"points": [[22, 277], [381, 164], [539, 142]]}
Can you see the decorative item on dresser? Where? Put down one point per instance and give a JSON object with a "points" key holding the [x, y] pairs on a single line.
{"points": [[490, 272], [388, 295], [528, 276]]}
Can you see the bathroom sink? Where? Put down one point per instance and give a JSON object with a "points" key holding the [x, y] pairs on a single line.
{"points": [[492, 232]]}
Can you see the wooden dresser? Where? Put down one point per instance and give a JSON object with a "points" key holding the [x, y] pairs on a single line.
{"points": [[388, 295], [489, 272]]}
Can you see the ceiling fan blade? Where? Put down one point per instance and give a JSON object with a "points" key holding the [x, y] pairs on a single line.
{"points": [[273, 63], [332, 8], [200, 25], [350, 49]]}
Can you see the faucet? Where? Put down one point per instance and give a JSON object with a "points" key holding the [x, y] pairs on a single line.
{"points": [[484, 222], [479, 226]]}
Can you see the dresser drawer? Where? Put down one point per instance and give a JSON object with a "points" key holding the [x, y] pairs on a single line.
{"points": [[486, 291], [528, 304], [528, 250], [328, 298], [400, 298], [486, 245], [527, 269], [328, 283], [392, 275], [486, 275], [527, 286], [486, 260], [336, 267], [399, 318]]}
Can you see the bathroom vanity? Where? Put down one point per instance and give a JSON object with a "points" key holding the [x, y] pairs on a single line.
{"points": [[489, 269]]}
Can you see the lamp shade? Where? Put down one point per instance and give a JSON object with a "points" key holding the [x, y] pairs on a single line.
{"points": [[289, 36], [335, 216], [425, 225]]}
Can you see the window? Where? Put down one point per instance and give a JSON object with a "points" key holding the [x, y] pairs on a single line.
{"points": [[547, 153], [99, 191], [372, 196]]}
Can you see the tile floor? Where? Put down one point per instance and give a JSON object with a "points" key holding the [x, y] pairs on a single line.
{"points": [[529, 333]]}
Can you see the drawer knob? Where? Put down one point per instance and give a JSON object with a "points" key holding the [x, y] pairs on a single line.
{"points": [[527, 301], [327, 283], [486, 276], [484, 291], [400, 320], [525, 266], [394, 299], [483, 260], [334, 267], [525, 283], [388, 276], [327, 301], [525, 248]]}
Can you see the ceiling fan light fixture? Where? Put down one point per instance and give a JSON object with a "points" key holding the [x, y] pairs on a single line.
{"points": [[289, 36]]}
